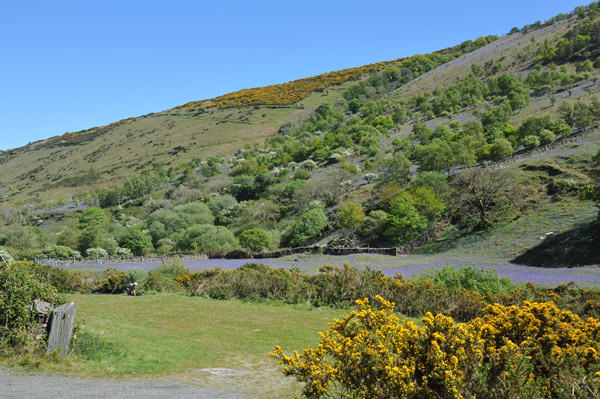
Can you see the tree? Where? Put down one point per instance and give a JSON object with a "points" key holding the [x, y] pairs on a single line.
{"points": [[393, 168], [136, 241], [484, 194], [308, 226], [350, 215], [89, 238], [92, 215], [206, 238], [427, 203], [255, 239], [355, 105], [437, 156], [403, 222], [530, 142], [501, 149]]}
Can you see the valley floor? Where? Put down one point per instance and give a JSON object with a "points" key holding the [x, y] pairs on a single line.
{"points": [[407, 265]]}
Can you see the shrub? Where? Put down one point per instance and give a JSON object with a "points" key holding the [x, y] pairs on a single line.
{"points": [[471, 278], [92, 216], [136, 241], [96, 253], [209, 239], [18, 289], [531, 142], [123, 252], [114, 282], [256, 240], [57, 252], [168, 277], [5, 255], [308, 226], [546, 136], [534, 351]]}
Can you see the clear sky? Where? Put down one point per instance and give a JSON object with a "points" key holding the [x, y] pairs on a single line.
{"points": [[70, 65]]}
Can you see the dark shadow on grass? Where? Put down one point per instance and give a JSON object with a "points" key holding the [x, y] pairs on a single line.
{"points": [[577, 247]]}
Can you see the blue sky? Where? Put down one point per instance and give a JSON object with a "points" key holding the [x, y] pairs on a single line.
{"points": [[70, 65]]}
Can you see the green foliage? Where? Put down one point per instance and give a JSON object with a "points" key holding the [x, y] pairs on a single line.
{"points": [[89, 238], [404, 221], [255, 239], [472, 278], [501, 148], [57, 252], [208, 239], [350, 216], [96, 253], [92, 216], [18, 289], [530, 142], [308, 226], [136, 241]]}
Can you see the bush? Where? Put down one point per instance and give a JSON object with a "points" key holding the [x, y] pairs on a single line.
{"points": [[256, 240], [547, 136], [92, 216], [533, 351], [208, 239], [123, 252], [18, 289], [136, 241], [168, 277], [96, 253], [531, 142], [57, 252], [307, 227], [471, 278]]}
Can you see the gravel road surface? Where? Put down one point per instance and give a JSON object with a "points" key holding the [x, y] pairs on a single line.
{"points": [[50, 386]]}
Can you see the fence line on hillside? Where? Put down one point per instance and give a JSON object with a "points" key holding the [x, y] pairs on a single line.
{"points": [[576, 136]]}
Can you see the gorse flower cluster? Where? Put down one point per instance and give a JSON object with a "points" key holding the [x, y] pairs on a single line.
{"points": [[533, 351]]}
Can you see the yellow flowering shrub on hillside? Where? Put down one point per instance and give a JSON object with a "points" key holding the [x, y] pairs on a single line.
{"points": [[533, 351]]}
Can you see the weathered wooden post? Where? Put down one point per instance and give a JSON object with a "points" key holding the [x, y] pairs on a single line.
{"points": [[61, 328]]}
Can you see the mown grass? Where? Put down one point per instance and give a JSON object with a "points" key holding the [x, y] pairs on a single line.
{"points": [[175, 337]]}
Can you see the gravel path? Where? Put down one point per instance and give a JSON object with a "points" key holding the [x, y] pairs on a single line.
{"points": [[50, 386]]}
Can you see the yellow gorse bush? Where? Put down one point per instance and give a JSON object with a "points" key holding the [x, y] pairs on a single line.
{"points": [[535, 350]]}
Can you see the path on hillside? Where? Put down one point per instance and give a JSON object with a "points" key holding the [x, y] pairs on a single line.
{"points": [[53, 386]]}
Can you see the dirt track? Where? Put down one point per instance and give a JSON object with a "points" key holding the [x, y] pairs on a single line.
{"points": [[50, 386]]}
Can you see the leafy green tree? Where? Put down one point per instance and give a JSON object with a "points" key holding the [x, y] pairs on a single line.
{"points": [[136, 241], [308, 226], [530, 142], [371, 229], [436, 181], [427, 203], [501, 148], [355, 105], [206, 238], [404, 222], [57, 252], [350, 215], [437, 156], [546, 136], [256, 239], [393, 168], [263, 212], [92, 215], [90, 237], [561, 128]]}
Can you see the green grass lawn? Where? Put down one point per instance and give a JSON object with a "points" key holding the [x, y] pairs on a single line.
{"points": [[175, 337]]}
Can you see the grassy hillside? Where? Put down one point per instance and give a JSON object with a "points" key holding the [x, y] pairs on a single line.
{"points": [[375, 156], [59, 167]]}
